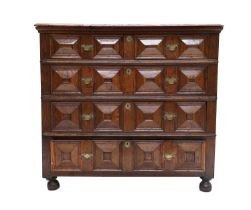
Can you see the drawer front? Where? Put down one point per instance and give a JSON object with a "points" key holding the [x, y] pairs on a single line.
{"points": [[129, 80], [129, 116], [169, 155], [128, 156], [171, 46]]}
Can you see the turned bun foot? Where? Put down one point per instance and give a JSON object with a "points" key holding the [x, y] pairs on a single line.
{"points": [[205, 185], [53, 184]]}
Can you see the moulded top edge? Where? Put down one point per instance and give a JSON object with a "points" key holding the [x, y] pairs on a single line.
{"points": [[90, 28]]}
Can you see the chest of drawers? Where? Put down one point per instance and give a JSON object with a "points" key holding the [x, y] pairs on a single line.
{"points": [[128, 101]]}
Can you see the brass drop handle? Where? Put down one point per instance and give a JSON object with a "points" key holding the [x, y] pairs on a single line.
{"points": [[168, 156], [171, 80], [86, 155], [87, 47], [127, 144], [169, 116], [172, 47], [87, 117], [86, 80], [128, 71], [128, 106]]}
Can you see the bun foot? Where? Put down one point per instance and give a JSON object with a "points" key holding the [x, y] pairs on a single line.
{"points": [[53, 184], [205, 185]]}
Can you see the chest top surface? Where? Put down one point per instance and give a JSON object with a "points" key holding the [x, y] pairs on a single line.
{"points": [[212, 28]]}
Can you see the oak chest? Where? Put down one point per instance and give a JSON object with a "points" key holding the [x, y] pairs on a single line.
{"points": [[128, 100]]}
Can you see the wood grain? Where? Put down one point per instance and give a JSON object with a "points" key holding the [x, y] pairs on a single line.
{"points": [[108, 92]]}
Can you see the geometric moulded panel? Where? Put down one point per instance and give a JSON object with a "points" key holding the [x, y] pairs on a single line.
{"points": [[108, 47], [65, 80], [193, 47], [107, 116], [191, 116], [190, 156], [149, 80], [147, 156], [64, 46], [148, 116], [65, 116], [107, 155], [149, 48], [65, 156], [192, 80], [107, 81]]}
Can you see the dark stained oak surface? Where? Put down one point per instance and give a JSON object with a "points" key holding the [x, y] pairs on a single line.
{"points": [[128, 100], [132, 28]]}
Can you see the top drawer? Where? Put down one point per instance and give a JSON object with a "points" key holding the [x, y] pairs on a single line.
{"points": [[77, 46]]}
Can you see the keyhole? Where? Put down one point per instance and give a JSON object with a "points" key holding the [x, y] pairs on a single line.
{"points": [[127, 144]]}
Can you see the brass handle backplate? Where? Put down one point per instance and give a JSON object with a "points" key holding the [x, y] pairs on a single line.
{"points": [[168, 156], [127, 144], [86, 155], [172, 47], [86, 47], [128, 106], [169, 116], [87, 117], [86, 80], [171, 80], [129, 38], [128, 71]]}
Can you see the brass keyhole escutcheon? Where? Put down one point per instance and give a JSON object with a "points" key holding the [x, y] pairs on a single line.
{"points": [[128, 71], [127, 144], [129, 38], [128, 106]]}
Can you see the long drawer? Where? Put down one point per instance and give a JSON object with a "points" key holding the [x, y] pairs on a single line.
{"points": [[127, 156], [85, 80], [172, 46], [129, 116]]}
